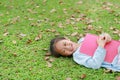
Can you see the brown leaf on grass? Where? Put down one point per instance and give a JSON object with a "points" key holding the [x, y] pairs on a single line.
{"points": [[29, 41], [33, 24], [30, 68], [1, 15], [38, 37], [30, 19], [119, 34], [15, 54], [49, 64], [47, 58], [48, 30], [107, 4], [90, 27], [116, 32], [22, 35], [57, 34], [107, 71], [68, 78], [82, 15], [6, 33], [37, 6], [65, 11], [15, 19], [78, 19], [30, 11], [14, 42], [61, 2], [77, 11], [53, 10], [99, 31], [52, 23], [1, 41], [83, 76], [89, 21], [81, 35], [51, 30], [74, 34], [117, 21], [60, 25], [51, 60], [44, 1], [117, 14], [68, 21], [48, 54], [80, 2], [45, 49]]}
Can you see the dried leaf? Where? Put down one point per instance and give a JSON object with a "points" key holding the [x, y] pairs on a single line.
{"points": [[15, 19], [1, 15], [14, 42], [89, 21], [38, 37], [116, 31], [45, 49], [57, 34], [49, 64], [1, 41], [68, 21], [53, 10], [80, 2], [47, 58], [108, 71], [22, 35], [14, 54], [90, 27], [29, 41], [82, 15], [51, 60], [48, 54], [60, 25], [61, 2], [52, 23], [44, 1], [65, 11], [83, 76], [30, 10], [53, 30], [6, 33], [68, 79], [30, 68], [74, 34]]}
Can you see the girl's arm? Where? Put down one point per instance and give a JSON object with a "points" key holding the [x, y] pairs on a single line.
{"points": [[98, 57], [88, 61]]}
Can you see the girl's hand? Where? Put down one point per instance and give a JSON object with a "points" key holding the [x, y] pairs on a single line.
{"points": [[101, 41], [107, 37]]}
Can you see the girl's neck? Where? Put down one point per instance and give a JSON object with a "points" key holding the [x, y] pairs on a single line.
{"points": [[78, 45]]}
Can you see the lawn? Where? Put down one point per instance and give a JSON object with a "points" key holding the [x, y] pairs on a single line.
{"points": [[27, 26]]}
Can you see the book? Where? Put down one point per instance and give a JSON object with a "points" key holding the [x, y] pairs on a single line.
{"points": [[89, 46]]}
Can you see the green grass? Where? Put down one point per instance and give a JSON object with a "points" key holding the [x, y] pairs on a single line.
{"points": [[23, 58]]}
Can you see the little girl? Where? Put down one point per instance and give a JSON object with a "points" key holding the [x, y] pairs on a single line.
{"points": [[93, 52]]}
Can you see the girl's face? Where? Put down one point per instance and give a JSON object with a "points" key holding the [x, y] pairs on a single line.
{"points": [[65, 47]]}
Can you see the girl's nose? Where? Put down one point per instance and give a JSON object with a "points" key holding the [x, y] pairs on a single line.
{"points": [[67, 46]]}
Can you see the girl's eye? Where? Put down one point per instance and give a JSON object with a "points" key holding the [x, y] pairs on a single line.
{"points": [[64, 43]]}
